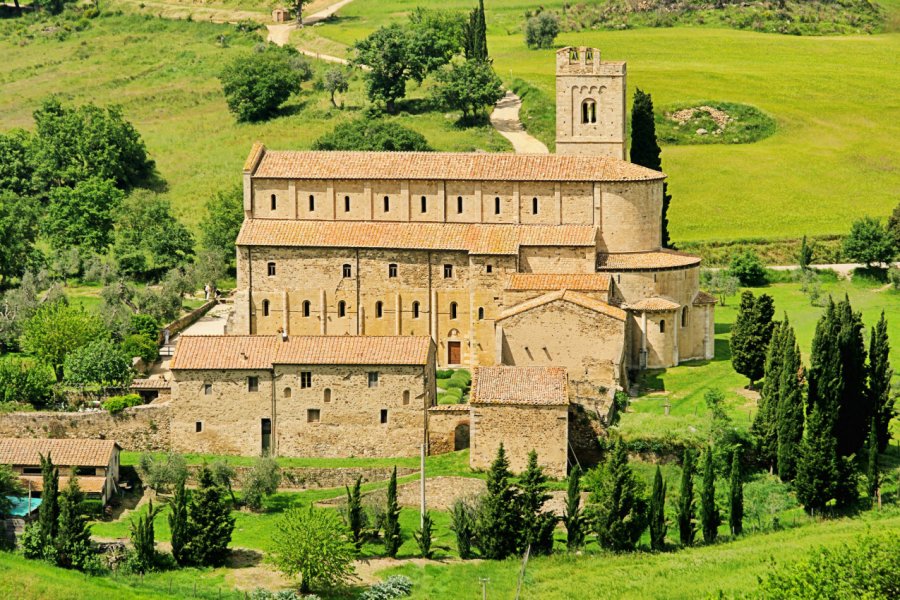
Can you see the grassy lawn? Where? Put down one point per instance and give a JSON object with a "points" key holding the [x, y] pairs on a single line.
{"points": [[830, 161]]}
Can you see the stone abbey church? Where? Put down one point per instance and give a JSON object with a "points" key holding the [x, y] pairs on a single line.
{"points": [[498, 261]]}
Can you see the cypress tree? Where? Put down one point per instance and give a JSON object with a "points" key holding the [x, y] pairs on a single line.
{"points": [[463, 522], [790, 407], [538, 525], [765, 423], [498, 521], [392, 536], [178, 524], [854, 413], [710, 518], [658, 512], [73, 541], [574, 515], [817, 464], [423, 536], [209, 522], [879, 376], [475, 35], [736, 496], [48, 512], [751, 334], [872, 475], [143, 539], [806, 251], [686, 528], [645, 150], [825, 375], [355, 514], [619, 508]]}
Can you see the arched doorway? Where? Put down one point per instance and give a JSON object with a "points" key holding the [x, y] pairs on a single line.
{"points": [[461, 436]]}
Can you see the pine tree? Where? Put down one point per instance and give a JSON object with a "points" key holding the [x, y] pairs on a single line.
{"points": [[658, 524], [751, 334], [790, 407], [537, 524], [872, 475], [710, 519], [209, 522], [355, 516], [498, 523], [736, 496], [143, 540], [686, 527], [392, 535], [765, 423], [645, 150], [618, 506], [73, 541], [178, 524], [574, 515], [854, 412], [879, 376]]}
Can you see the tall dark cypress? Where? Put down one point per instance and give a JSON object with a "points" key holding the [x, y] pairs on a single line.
{"points": [[817, 464], [765, 423], [872, 474], [825, 377], [751, 334], [686, 528], [574, 515], [879, 375], [178, 524], [658, 512], [736, 495], [855, 412], [790, 407], [710, 518], [475, 35], [392, 535], [538, 525], [645, 150], [355, 515], [48, 512], [499, 521]]}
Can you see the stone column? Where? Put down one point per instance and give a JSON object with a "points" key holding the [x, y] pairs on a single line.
{"points": [[516, 202], [323, 311], [434, 316], [397, 308], [285, 312], [292, 197]]}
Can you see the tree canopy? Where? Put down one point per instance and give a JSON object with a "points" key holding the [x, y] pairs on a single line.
{"points": [[56, 330], [82, 215], [257, 84], [869, 243], [468, 86], [374, 135]]}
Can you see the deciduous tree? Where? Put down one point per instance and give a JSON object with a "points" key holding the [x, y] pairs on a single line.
{"points": [[468, 86], [541, 30], [82, 215], [257, 84], [313, 543], [56, 330], [101, 362], [18, 231], [261, 481], [373, 135], [149, 240], [335, 81], [386, 53], [869, 243]]}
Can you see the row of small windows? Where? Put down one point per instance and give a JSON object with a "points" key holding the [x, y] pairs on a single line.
{"points": [[379, 309], [305, 383], [684, 320], [313, 415], [424, 200], [347, 270]]}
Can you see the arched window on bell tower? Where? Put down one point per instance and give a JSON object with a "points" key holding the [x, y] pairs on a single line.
{"points": [[589, 111]]}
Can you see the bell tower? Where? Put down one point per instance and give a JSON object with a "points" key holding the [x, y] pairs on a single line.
{"points": [[590, 104]]}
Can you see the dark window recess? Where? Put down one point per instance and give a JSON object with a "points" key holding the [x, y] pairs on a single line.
{"points": [[453, 310], [327, 395], [274, 202], [662, 326], [85, 471], [198, 427], [480, 313], [489, 268], [313, 415], [312, 203], [415, 310], [387, 204], [373, 379], [307, 307], [265, 308], [347, 271], [207, 389], [384, 415], [448, 271], [252, 383], [346, 203], [379, 309], [266, 431], [305, 379], [342, 309], [534, 206], [405, 397], [424, 204], [497, 205], [392, 270], [459, 204], [31, 470], [271, 269]]}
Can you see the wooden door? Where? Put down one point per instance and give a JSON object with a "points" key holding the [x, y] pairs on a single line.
{"points": [[454, 355]]}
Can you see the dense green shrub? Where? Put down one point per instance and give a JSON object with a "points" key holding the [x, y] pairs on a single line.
{"points": [[257, 84], [373, 135], [748, 268], [116, 404], [468, 86], [142, 346], [444, 373], [25, 382], [541, 30]]}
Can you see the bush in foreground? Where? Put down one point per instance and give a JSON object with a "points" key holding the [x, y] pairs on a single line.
{"points": [[313, 543]]}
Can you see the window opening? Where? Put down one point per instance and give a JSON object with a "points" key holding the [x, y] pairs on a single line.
{"points": [[305, 379], [312, 415], [270, 268]]}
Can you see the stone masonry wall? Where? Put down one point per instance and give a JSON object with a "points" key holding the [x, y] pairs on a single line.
{"points": [[521, 428], [141, 428]]}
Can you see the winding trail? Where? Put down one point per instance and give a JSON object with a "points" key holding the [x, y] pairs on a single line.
{"points": [[505, 119]]}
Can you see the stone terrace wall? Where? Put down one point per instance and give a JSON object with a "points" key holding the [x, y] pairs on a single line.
{"points": [[141, 428], [300, 478]]}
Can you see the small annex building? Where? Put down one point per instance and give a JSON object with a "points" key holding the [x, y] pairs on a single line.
{"points": [[325, 396], [525, 409], [94, 462]]}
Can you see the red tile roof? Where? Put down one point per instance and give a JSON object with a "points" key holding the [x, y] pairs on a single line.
{"points": [[475, 166], [654, 304], [88, 484], [546, 386], [705, 298], [646, 261], [67, 452], [256, 352], [150, 384], [474, 238], [581, 282], [568, 296]]}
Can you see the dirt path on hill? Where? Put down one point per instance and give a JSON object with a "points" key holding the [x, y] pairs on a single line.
{"points": [[505, 119]]}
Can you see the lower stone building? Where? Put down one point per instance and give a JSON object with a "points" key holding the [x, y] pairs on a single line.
{"points": [[325, 396]]}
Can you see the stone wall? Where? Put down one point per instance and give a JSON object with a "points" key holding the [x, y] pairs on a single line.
{"points": [[521, 428], [141, 428], [443, 422]]}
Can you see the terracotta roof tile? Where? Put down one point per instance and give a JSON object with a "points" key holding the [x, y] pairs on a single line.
{"points": [[568, 296], [598, 282], [544, 386], [67, 452], [254, 352], [88, 484], [256, 154], [473, 238], [646, 261], [473, 166], [654, 304], [450, 408], [150, 384], [705, 298]]}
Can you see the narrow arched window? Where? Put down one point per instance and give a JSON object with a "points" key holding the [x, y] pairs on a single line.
{"points": [[534, 206], [346, 203], [405, 397], [424, 203], [379, 309], [589, 111], [662, 326], [327, 395], [347, 271], [306, 307], [387, 204], [480, 313], [312, 203], [684, 316], [497, 205], [287, 392], [342, 309], [274, 202], [589, 55], [459, 203], [453, 310], [415, 310], [265, 308]]}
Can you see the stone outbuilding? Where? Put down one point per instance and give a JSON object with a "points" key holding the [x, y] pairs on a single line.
{"points": [[94, 462], [525, 408], [326, 396]]}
